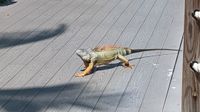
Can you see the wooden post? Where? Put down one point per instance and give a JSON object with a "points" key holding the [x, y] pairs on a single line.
{"points": [[191, 80]]}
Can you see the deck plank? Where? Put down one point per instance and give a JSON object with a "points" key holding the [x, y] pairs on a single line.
{"points": [[26, 28], [101, 79], [37, 63], [175, 86], [121, 77], [155, 101], [158, 86], [173, 99], [57, 58], [101, 30], [139, 83], [13, 9], [22, 53], [23, 39], [98, 80], [97, 83], [20, 15], [37, 71]]}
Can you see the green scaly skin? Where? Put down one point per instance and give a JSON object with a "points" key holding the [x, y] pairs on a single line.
{"points": [[96, 57]]}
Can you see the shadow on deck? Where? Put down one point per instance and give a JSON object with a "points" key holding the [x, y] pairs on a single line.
{"points": [[21, 38], [15, 97]]}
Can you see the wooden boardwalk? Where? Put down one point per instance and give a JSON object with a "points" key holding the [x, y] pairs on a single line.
{"points": [[38, 39]]}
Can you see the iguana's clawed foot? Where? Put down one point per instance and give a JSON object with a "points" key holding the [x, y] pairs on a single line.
{"points": [[81, 74], [127, 65]]}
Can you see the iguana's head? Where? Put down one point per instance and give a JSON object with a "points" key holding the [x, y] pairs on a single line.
{"points": [[83, 54]]}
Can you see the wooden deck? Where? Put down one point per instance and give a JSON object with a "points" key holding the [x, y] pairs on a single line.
{"points": [[38, 39]]}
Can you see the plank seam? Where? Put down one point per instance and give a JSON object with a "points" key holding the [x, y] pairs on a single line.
{"points": [[19, 71], [80, 65], [67, 60], [30, 60], [114, 44], [152, 73], [25, 16], [54, 56], [139, 60], [172, 74], [26, 36]]}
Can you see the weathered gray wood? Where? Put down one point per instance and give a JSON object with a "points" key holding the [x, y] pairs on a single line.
{"points": [[99, 80], [9, 55], [42, 66], [24, 25], [107, 19], [73, 60], [11, 10], [160, 80], [10, 21], [103, 29], [23, 73], [71, 42], [158, 84], [97, 83], [173, 100], [20, 54], [120, 78], [139, 83], [28, 25], [172, 105], [75, 16]]}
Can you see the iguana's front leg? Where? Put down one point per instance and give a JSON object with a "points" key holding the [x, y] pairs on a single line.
{"points": [[86, 71], [86, 64], [124, 60]]}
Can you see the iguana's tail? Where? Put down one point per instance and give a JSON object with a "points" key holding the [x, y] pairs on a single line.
{"points": [[131, 51]]}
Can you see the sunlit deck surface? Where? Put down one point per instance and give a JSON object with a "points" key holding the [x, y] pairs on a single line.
{"points": [[38, 40]]}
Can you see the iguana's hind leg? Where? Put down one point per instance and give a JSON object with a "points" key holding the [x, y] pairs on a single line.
{"points": [[86, 71], [125, 61]]}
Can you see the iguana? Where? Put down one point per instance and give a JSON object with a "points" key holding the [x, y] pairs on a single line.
{"points": [[104, 54]]}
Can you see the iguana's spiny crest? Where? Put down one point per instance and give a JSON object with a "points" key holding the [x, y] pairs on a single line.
{"points": [[105, 48], [85, 54]]}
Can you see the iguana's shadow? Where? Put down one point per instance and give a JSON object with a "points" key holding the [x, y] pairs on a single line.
{"points": [[19, 99]]}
